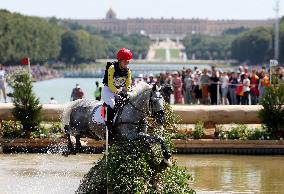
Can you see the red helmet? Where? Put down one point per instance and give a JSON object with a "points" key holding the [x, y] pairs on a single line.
{"points": [[124, 54]]}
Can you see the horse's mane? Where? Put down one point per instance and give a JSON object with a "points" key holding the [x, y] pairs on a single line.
{"points": [[139, 88]]}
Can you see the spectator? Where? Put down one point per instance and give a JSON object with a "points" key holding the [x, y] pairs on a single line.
{"points": [[233, 85], [224, 80], [3, 82], [77, 93], [254, 93], [98, 92], [239, 89], [263, 83], [140, 78], [246, 90], [151, 79], [232, 88], [187, 83], [204, 82], [166, 92], [52, 101], [162, 79], [213, 87], [177, 85], [197, 87], [213, 69]]}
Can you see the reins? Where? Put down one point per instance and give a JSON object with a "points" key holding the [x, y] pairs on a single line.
{"points": [[146, 113]]}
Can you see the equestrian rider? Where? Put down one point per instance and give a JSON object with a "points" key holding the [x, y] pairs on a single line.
{"points": [[117, 79]]}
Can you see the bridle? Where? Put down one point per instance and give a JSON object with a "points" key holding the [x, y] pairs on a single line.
{"points": [[146, 113]]}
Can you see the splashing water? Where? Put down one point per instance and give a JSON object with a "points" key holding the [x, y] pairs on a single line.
{"points": [[43, 173]]}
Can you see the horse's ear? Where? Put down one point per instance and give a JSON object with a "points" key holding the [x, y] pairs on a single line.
{"points": [[156, 88]]}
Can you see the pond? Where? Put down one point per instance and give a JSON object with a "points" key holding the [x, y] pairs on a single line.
{"points": [[53, 173]]}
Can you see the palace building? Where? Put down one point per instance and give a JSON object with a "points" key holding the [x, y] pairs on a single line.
{"points": [[170, 28]]}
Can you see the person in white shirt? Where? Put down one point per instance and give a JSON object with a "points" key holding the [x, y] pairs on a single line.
{"points": [[187, 83], [224, 79], [3, 82], [246, 90], [52, 101]]}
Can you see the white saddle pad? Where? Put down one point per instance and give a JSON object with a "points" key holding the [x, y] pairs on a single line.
{"points": [[98, 115]]}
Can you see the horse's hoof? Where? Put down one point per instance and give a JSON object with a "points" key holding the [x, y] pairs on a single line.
{"points": [[165, 163], [66, 154]]}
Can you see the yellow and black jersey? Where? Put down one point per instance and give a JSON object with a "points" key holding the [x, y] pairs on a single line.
{"points": [[117, 77]]}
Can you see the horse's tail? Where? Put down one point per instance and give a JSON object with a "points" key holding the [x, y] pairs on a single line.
{"points": [[65, 116]]}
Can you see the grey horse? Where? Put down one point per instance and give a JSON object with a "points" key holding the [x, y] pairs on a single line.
{"points": [[83, 118]]}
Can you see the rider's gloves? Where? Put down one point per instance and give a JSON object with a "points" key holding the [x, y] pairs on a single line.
{"points": [[123, 95]]}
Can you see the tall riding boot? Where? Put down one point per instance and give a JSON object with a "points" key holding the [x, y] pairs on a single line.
{"points": [[109, 122]]}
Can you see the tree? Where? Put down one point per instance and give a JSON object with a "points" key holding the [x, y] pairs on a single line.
{"points": [[28, 36], [234, 31], [208, 47], [254, 45], [69, 47], [272, 113], [281, 44], [27, 108]]}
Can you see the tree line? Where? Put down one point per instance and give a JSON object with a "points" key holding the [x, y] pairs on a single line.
{"points": [[54, 40], [252, 46], [61, 40]]}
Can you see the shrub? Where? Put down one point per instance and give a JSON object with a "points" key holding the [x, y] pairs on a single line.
{"points": [[47, 130], [243, 132], [258, 134], [41, 132], [199, 130], [11, 129], [238, 132], [134, 167], [27, 108], [272, 114]]}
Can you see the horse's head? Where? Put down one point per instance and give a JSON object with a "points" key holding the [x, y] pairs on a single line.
{"points": [[148, 99], [157, 105]]}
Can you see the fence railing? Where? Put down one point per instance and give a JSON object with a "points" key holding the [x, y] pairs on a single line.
{"points": [[189, 114]]}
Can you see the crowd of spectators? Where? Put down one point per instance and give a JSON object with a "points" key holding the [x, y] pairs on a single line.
{"points": [[38, 72], [244, 86]]}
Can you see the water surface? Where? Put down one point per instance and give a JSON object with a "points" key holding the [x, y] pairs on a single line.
{"points": [[53, 173]]}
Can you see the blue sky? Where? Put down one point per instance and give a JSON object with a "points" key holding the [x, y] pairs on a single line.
{"points": [[94, 9]]}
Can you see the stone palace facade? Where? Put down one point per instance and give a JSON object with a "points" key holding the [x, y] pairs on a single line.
{"points": [[169, 27]]}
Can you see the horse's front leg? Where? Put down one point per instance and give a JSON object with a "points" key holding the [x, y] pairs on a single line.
{"points": [[70, 148], [154, 139], [78, 147]]}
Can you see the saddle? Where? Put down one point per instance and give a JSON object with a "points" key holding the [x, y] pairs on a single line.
{"points": [[120, 100]]}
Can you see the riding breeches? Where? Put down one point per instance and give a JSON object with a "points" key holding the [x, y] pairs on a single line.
{"points": [[108, 96]]}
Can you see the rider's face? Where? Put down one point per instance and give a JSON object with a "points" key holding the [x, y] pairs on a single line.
{"points": [[124, 63]]}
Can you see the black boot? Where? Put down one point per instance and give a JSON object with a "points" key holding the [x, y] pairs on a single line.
{"points": [[109, 122]]}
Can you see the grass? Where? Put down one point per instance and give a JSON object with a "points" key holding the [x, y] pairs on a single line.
{"points": [[174, 53], [160, 54]]}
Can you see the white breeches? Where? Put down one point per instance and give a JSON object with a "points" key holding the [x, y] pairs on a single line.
{"points": [[108, 96]]}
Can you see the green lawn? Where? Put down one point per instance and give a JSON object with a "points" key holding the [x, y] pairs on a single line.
{"points": [[174, 53], [160, 54]]}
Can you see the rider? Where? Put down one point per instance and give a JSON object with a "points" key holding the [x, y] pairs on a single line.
{"points": [[117, 79]]}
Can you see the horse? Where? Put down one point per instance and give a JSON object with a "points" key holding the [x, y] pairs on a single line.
{"points": [[83, 117]]}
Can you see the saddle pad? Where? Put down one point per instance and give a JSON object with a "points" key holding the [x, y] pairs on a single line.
{"points": [[98, 115], [103, 112]]}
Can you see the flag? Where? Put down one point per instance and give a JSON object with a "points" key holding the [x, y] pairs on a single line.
{"points": [[25, 61]]}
